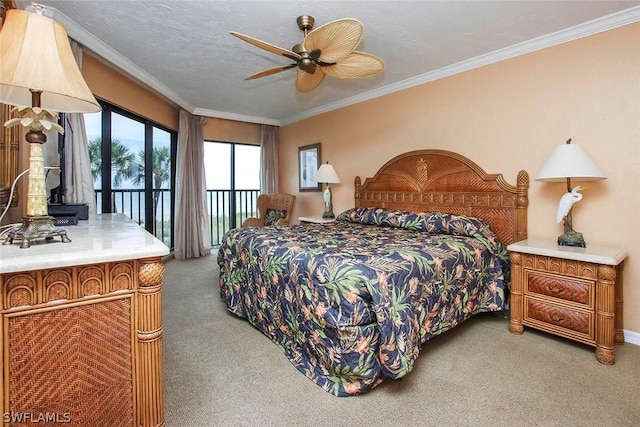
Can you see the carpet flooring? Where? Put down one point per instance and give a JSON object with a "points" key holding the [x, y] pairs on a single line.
{"points": [[220, 371]]}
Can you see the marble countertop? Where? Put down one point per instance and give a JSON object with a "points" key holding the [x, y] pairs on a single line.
{"points": [[592, 253], [107, 238]]}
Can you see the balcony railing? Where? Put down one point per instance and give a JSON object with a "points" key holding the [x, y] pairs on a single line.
{"points": [[227, 209]]}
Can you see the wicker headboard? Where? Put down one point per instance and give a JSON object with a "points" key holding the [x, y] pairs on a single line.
{"points": [[444, 181]]}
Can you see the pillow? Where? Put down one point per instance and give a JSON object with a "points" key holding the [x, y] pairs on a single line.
{"points": [[385, 217], [273, 215]]}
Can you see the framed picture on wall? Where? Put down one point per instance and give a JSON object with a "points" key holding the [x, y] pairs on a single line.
{"points": [[308, 164]]}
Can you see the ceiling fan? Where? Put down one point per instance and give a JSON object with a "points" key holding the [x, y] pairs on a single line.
{"points": [[329, 49]]}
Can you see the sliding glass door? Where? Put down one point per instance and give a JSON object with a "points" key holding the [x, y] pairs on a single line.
{"points": [[233, 184], [132, 162]]}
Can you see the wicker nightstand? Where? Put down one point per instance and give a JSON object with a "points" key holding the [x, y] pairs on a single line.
{"points": [[315, 219], [568, 291]]}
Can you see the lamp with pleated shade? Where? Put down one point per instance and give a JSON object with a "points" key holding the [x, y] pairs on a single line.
{"points": [[39, 75]]}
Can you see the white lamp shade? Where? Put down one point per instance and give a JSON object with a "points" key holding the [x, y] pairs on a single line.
{"points": [[36, 55], [569, 161], [326, 174]]}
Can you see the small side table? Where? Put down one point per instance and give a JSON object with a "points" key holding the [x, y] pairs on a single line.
{"points": [[315, 219], [568, 291]]}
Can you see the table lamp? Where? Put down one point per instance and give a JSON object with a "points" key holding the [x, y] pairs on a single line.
{"points": [[39, 75], [327, 175], [569, 161]]}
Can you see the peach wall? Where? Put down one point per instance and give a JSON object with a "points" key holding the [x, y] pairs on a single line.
{"points": [[506, 117], [116, 88], [231, 131]]}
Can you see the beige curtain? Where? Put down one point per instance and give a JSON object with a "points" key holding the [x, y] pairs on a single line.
{"points": [[77, 171], [192, 236], [269, 159]]}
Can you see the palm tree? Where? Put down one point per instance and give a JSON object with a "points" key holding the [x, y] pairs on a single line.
{"points": [[161, 170], [122, 160], [121, 163], [95, 156]]}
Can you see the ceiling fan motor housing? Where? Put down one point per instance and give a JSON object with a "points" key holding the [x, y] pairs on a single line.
{"points": [[307, 62]]}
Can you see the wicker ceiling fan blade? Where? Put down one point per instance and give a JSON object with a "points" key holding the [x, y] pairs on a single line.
{"points": [[336, 39], [270, 71], [357, 65], [306, 82], [267, 46]]}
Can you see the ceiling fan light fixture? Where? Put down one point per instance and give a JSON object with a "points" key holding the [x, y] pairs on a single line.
{"points": [[330, 48], [307, 64]]}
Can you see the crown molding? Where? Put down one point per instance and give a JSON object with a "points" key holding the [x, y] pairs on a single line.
{"points": [[78, 33], [619, 19], [237, 117], [104, 51]]}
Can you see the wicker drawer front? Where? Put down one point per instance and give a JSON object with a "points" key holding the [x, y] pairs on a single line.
{"points": [[561, 287], [577, 324], [73, 364]]}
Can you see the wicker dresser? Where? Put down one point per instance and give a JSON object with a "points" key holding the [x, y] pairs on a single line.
{"points": [[82, 328], [568, 291]]}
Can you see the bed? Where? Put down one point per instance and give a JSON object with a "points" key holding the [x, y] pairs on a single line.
{"points": [[352, 302]]}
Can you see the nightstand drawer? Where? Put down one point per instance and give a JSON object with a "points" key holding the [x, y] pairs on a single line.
{"points": [[558, 319], [562, 287]]}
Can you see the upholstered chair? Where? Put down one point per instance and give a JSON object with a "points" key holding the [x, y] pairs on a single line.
{"points": [[273, 209]]}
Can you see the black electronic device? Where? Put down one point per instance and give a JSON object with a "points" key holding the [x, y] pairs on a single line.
{"points": [[64, 213], [79, 210], [61, 220]]}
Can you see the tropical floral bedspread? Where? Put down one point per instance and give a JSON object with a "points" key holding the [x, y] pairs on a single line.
{"points": [[351, 303]]}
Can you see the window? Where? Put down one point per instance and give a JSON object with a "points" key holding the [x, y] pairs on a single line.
{"points": [[132, 163], [233, 184]]}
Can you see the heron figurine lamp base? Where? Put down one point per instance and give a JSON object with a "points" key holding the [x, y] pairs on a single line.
{"points": [[326, 174], [328, 205], [572, 238]]}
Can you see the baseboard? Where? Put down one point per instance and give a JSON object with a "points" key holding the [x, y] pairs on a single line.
{"points": [[631, 337]]}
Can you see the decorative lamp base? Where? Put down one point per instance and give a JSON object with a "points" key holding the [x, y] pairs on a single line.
{"points": [[328, 206], [36, 227], [572, 238]]}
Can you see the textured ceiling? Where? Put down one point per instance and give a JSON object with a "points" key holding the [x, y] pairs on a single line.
{"points": [[183, 49]]}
